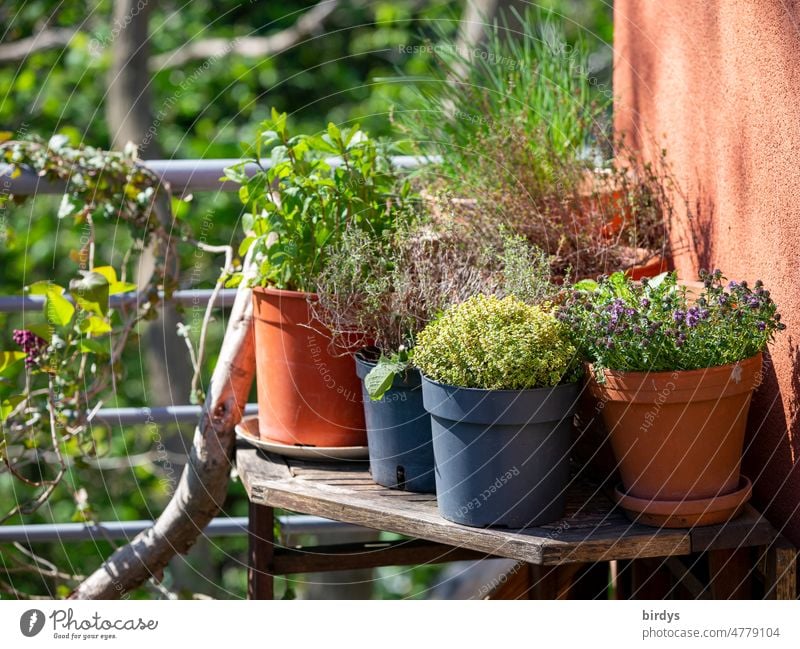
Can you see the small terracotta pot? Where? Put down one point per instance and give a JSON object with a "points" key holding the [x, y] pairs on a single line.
{"points": [[652, 268], [307, 395], [679, 436]]}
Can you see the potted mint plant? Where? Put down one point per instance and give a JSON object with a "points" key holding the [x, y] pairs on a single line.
{"points": [[675, 373], [500, 383], [315, 188]]}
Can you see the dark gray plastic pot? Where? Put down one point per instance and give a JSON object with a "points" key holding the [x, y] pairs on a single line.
{"points": [[398, 433], [502, 456]]}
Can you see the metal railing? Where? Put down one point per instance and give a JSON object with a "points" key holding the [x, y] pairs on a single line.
{"points": [[182, 176]]}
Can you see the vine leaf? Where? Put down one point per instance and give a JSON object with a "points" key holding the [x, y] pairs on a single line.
{"points": [[7, 405], [121, 287], [91, 292], [108, 272], [7, 359], [58, 310], [95, 326], [93, 346]]}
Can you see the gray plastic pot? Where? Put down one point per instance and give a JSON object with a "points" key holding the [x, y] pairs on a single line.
{"points": [[502, 456], [398, 432]]}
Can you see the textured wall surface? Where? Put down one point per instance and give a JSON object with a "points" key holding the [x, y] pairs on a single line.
{"points": [[717, 83]]}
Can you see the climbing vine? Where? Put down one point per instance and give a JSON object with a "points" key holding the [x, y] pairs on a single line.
{"points": [[52, 384]]}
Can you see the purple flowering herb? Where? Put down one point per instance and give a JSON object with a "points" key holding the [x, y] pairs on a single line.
{"points": [[30, 343]]}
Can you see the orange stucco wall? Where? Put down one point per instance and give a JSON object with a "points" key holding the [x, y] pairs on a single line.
{"points": [[717, 83]]}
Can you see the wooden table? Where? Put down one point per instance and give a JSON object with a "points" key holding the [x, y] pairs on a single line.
{"points": [[743, 558]]}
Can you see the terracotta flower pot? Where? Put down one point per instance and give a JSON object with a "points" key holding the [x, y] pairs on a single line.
{"points": [[306, 394], [678, 436]]}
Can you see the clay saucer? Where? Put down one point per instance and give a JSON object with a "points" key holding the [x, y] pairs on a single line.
{"points": [[247, 430], [686, 513]]}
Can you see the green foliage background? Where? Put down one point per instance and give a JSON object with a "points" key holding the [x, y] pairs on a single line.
{"points": [[354, 70]]}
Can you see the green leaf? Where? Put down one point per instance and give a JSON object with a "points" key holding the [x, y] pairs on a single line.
{"points": [[45, 287], [7, 359], [7, 405], [334, 133], [234, 281], [58, 310], [381, 377], [93, 346], [586, 285], [245, 245], [91, 292], [95, 326], [44, 331], [108, 272], [121, 287], [235, 173]]}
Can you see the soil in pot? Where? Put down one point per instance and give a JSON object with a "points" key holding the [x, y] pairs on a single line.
{"points": [[679, 436], [398, 431], [307, 394], [502, 456]]}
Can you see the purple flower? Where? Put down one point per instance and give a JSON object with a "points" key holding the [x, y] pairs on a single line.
{"points": [[761, 326], [645, 302], [733, 284], [31, 344], [678, 316]]}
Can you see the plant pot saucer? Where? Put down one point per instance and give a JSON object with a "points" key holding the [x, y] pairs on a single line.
{"points": [[247, 430], [685, 513]]}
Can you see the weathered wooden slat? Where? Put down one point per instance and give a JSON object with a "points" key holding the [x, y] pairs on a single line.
{"points": [[593, 529], [388, 510], [350, 556], [749, 529]]}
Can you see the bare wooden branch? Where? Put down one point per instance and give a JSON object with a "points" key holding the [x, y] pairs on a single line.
{"points": [[251, 46], [47, 39], [204, 482]]}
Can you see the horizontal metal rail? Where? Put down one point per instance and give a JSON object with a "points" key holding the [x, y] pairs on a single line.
{"points": [[162, 415], [197, 297], [181, 175], [291, 525]]}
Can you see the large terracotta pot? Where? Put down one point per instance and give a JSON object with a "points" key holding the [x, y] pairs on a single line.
{"points": [[306, 394], [678, 436]]}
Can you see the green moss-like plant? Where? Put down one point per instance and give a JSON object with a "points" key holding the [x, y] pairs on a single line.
{"points": [[496, 344]]}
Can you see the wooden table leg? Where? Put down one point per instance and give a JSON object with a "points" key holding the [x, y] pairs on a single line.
{"points": [[730, 573], [780, 580], [553, 582], [260, 576]]}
